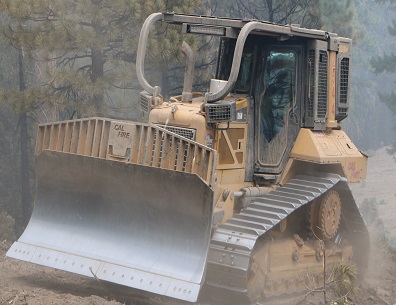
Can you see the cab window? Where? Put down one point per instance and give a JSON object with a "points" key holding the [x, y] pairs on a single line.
{"points": [[275, 95]]}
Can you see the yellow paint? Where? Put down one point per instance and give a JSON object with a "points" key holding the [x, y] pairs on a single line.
{"points": [[186, 115], [331, 97], [332, 147], [343, 48], [241, 103]]}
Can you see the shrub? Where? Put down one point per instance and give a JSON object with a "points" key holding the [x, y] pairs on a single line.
{"points": [[345, 275]]}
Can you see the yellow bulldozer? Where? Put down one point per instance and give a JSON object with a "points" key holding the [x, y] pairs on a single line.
{"points": [[240, 189]]}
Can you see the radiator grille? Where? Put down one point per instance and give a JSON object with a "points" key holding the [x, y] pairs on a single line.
{"points": [[322, 85], [344, 80], [144, 102], [342, 102], [184, 132], [310, 106]]}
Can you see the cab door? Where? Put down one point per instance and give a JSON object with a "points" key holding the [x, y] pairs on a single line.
{"points": [[277, 95]]}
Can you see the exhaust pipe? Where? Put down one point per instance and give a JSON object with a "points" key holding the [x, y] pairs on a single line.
{"points": [[189, 72]]}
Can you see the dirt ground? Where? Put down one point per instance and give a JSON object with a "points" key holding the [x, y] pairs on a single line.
{"points": [[27, 284]]}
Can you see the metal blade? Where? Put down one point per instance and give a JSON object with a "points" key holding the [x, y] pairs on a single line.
{"points": [[138, 226]]}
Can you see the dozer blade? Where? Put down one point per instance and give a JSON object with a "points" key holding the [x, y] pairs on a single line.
{"points": [[137, 226]]}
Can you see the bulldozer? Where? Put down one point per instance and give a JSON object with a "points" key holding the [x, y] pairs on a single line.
{"points": [[240, 190]]}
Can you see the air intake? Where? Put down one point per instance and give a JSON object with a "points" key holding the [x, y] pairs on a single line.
{"points": [[145, 101], [222, 111], [343, 89]]}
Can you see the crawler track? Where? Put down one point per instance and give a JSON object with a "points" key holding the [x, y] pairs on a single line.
{"points": [[232, 244]]}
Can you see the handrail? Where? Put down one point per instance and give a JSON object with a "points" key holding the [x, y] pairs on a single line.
{"points": [[141, 53], [236, 61], [210, 97]]}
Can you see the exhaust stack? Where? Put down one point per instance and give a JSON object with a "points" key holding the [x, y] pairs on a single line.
{"points": [[189, 72]]}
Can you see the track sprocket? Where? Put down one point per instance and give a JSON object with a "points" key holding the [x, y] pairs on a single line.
{"points": [[326, 215]]}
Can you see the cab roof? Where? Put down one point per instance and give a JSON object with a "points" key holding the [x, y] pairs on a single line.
{"points": [[227, 27]]}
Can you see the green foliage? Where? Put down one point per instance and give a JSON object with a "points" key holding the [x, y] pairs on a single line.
{"points": [[10, 140], [9, 157], [282, 12], [337, 16], [386, 64], [370, 122], [278, 11], [85, 50], [165, 59], [69, 59], [333, 15], [72, 41], [22, 100], [345, 276]]}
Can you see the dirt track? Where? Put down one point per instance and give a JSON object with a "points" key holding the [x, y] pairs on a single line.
{"points": [[27, 284], [23, 283]]}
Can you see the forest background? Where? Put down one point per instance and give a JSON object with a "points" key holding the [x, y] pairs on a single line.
{"points": [[72, 59]]}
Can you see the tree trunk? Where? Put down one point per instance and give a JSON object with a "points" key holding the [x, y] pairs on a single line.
{"points": [[25, 168], [270, 11], [165, 81], [97, 73], [26, 197]]}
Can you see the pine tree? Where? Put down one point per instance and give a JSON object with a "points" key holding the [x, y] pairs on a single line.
{"points": [[337, 16], [86, 49], [16, 180], [386, 64], [328, 15], [71, 58]]}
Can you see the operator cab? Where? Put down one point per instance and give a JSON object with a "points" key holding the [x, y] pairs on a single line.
{"points": [[291, 78], [271, 74]]}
